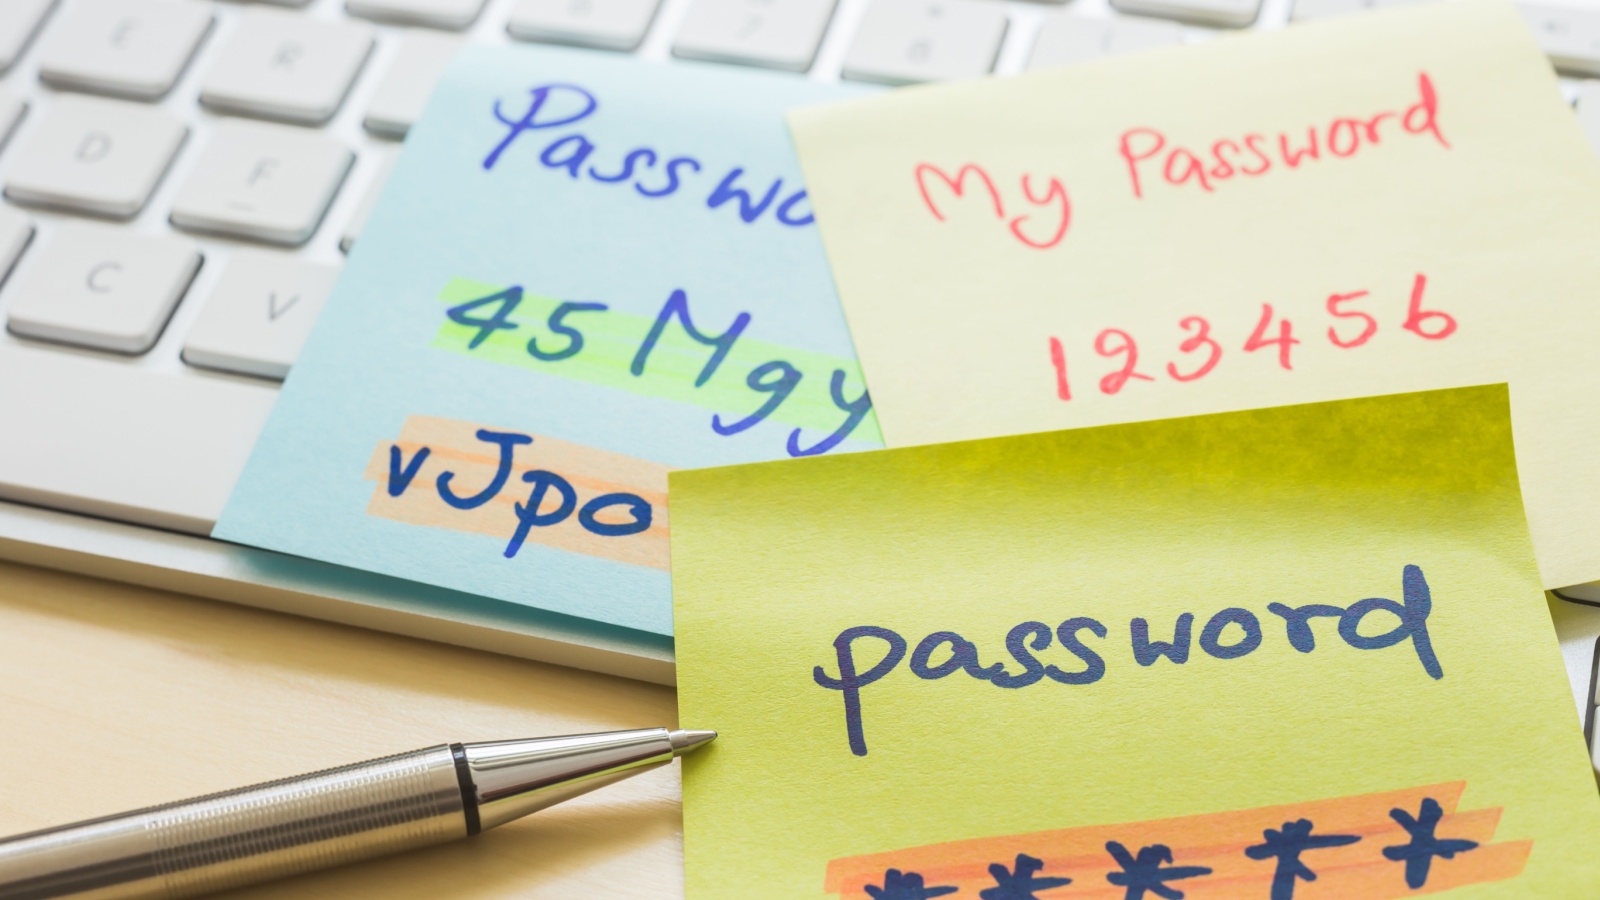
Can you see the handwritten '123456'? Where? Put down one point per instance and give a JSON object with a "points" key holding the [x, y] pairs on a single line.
{"points": [[1352, 319], [1150, 159]]}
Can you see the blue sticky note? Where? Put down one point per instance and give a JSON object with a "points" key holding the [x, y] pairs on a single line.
{"points": [[585, 271]]}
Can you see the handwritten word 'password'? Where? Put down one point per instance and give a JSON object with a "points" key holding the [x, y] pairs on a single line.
{"points": [[1253, 154], [1215, 640], [557, 106], [1199, 351]]}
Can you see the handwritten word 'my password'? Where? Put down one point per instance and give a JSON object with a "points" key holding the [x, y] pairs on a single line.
{"points": [[652, 174], [1350, 322], [1216, 641], [1150, 158]]}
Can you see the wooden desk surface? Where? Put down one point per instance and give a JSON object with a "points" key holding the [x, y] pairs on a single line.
{"points": [[114, 697]]}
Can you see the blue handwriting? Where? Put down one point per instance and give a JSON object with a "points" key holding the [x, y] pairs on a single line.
{"points": [[529, 515], [557, 106], [492, 313]]}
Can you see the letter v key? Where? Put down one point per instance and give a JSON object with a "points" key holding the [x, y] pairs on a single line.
{"points": [[274, 310], [246, 325]]}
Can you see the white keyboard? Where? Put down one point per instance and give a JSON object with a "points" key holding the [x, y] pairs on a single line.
{"points": [[181, 179]]}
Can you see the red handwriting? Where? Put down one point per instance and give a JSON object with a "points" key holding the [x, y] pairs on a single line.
{"points": [[1199, 352], [1257, 154], [957, 185], [1051, 201], [1367, 330], [1444, 324], [1285, 340], [1200, 338], [1058, 358], [1128, 350]]}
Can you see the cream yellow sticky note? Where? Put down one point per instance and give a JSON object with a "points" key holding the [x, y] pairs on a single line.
{"points": [[1393, 202], [1225, 654]]}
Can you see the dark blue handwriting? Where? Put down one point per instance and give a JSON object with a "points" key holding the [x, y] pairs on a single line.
{"points": [[1151, 868], [1418, 854], [1021, 881], [1286, 845], [1150, 871], [944, 653]]}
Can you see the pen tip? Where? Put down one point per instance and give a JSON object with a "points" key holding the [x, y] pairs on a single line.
{"points": [[686, 741]]}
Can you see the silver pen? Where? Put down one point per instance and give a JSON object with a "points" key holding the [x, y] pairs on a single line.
{"points": [[326, 818]]}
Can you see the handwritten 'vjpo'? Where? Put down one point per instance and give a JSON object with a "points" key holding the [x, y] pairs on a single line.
{"points": [[1028, 638]]}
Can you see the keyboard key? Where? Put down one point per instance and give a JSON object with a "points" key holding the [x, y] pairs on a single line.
{"points": [[453, 14], [1066, 38], [259, 314], [15, 232], [907, 41], [280, 65], [358, 220], [1305, 10], [607, 24], [262, 182], [19, 19], [102, 287], [95, 156], [1588, 107], [11, 110], [135, 48], [1570, 37], [1223, 13], [404, 90], [780, 34], [133, 444]]}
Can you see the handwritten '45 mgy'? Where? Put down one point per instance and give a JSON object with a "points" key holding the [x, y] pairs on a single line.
{"points": [[680, 363]]}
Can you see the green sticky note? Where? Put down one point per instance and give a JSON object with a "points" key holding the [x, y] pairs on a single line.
{"points": [[1216, 653]]}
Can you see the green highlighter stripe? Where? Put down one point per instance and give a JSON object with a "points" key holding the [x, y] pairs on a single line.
{"points": [[611, 340]]}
